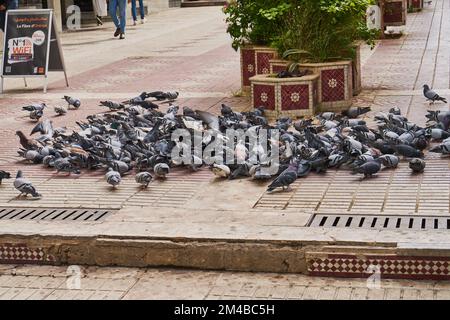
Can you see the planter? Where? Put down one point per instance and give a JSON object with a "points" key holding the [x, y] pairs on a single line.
{"points": [[393, 12], [415, 4], [356, 71], [335, 86], [294, 97], [278, 65], [254, 61]]}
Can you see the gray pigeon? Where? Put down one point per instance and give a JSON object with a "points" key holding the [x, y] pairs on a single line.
{"points": [[286, 178], [355, 112], [73, 102], [35, 107], [368, 169], [408, 151], [113, 177], [143, 178], [113, 106], [24, 186], [4, 175], [161, 170], [60, 110], [431, 95]]}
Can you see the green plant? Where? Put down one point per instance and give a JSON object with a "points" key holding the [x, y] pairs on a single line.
{"points": [[324, 30], [256, 22]]}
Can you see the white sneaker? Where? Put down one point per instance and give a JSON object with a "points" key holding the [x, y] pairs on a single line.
{"points": [[134, 22], [143, 21]]}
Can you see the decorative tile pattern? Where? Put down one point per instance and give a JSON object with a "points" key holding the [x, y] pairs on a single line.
{"points": [[333, 85], [263, 61], [393, 12], [389, 266], [416, 4], [264, 95], [21, 253], [294, 97], [248, 65]]}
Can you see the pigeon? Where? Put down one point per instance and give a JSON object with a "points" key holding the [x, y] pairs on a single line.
{"points": [[286, 178], [431, 95], [60, 110], [113, 106], [36, 114], [137, 100], [26, 142], [160, 96], [368, 169], [113, 177], [24, 186], [4, 175], [408, 151], [221, 170], [354, 112], [143, 178], [443, 148], [417, 165], [389, 160], [73, 102], [64, 165], [161, 170], [35, 107]]}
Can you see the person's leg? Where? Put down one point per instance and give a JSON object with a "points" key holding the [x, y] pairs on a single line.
{"points": [[123, 14], [13, 4], [113, 12], [2, 20], [141, 9], [133, 9]]}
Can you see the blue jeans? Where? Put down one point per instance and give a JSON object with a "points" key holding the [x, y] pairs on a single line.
{"points": [[141, 9], [10, 4], [121, 21]]}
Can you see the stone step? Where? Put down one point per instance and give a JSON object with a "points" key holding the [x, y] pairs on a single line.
{"points": [[315, 258], [202, 3]]}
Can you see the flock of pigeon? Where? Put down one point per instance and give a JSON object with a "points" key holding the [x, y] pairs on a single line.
{"points": [[135, 136]]}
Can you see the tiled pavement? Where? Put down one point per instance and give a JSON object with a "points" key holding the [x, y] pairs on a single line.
{"points": [[188, 50], [200, 64], [61, 283]]}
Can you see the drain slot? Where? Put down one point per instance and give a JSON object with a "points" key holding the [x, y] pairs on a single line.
{"points": [[54, 214], [380, 222]]}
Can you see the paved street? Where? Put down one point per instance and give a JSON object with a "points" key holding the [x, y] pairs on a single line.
{"points": [[188, 50], [54, 283]]}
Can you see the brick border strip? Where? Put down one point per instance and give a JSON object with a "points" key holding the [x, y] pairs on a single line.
{"points": [[390, 266]]}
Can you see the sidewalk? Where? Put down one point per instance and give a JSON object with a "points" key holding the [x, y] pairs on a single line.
{"points": [[51, 283], [234, 225]]}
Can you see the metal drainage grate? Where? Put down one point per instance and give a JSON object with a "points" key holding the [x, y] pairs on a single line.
{"points": [[79, 215], [380, 222]]}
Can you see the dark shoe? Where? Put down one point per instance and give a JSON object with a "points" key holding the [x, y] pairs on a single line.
{"points": [[99, 21], [122, 35], [118, 31]]}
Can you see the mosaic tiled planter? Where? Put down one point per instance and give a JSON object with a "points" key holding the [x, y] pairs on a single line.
{"points": [[415, 4], [335, 85], [293, 97], [278, 65], [356, 71], [394, 12], [255, 60]]}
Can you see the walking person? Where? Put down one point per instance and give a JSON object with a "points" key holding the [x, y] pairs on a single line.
{"points": [[100, 10], [141, 11], [4, 6], [119, 22]]}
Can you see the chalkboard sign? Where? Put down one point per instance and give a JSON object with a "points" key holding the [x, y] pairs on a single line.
{"points": [[31, 45]]}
